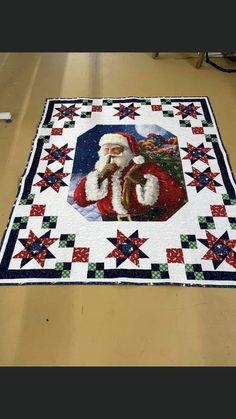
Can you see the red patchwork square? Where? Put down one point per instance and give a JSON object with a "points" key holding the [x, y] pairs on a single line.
{"points": [[80, 254], [156, 108], [175, 255], [218, 211], [96, 108], [37, 210], [198, 130], [57, 131]]}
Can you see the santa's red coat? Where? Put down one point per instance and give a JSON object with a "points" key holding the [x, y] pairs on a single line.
{"points": [[169, 193]]}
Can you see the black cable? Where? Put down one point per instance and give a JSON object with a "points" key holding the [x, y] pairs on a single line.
{"points": [[227, 70]]}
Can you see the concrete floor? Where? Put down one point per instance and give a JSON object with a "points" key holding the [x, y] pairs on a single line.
{"points": [[108, 325]]}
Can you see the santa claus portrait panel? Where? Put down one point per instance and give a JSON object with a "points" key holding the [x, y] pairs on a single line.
{"points": [[127, 173]]}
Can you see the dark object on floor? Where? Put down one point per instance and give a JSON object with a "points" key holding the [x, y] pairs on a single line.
{"points": [[218, 67]]}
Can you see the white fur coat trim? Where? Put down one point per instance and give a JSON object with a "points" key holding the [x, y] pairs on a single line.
{"points": [[116, 194], [93, 192], [148, 194]]}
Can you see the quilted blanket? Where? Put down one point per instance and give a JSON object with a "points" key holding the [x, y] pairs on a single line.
{"points": [[132, 190]]}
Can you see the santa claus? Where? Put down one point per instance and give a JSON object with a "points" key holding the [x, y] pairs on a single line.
{"points": [[125, 187]]}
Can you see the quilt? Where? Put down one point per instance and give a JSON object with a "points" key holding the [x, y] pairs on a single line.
{"points": [[131, 190]]}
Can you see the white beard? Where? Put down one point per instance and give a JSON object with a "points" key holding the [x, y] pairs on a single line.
{"points": [[122, 160]]}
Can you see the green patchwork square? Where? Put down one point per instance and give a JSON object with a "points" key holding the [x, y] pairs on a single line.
{"points": [[168, 114], [67, 240], [99, 274], [85, 114], [199, 275], [145, 102], [211, 137], [156, 275], [206, 124], [232, 221], [65, 274], [63, 243], [185, 124], [189, 267], [163, 267], [211, 226], [188, 241], [49, 125], [107, 102], [59, 266], [206, 223], [166, 101], [27, 201], [194, 271], [15, 226], [49, 222], [87, 102], [192, 245], [20, 223], [202, 219], [227, 200], [69, 124], [92, 266], [45, 225], [24, 219]]}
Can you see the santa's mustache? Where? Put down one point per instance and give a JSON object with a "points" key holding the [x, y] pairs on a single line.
{"points": [[121, 159], [110, 157]]}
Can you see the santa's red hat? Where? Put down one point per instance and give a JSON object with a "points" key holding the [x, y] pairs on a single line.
{"points": [[126, 140]]}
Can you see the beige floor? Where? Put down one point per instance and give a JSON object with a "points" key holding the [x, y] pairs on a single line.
{"points": [[113, 325]]}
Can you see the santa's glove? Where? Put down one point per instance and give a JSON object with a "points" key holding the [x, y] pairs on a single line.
{"points": [[107, 171], [134, 177]]}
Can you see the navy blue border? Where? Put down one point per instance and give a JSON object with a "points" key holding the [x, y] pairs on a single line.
{"points": [[33, 169], [28, 183]]}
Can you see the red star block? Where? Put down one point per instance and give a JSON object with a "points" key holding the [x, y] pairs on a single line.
{"points": [[197, 130], [187, 110], [220, 249], [127, 248], [156, 108], [57, 154], [51, 179], [80, 254], [96, 108], [203, 179], [218, 211], [57, 131], [175, 255], [36, 248], [37, 210], [67, 112], [197, 153], [127, 111]]}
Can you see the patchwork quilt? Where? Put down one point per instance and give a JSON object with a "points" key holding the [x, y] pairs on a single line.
{"points": [[132, 190]]}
